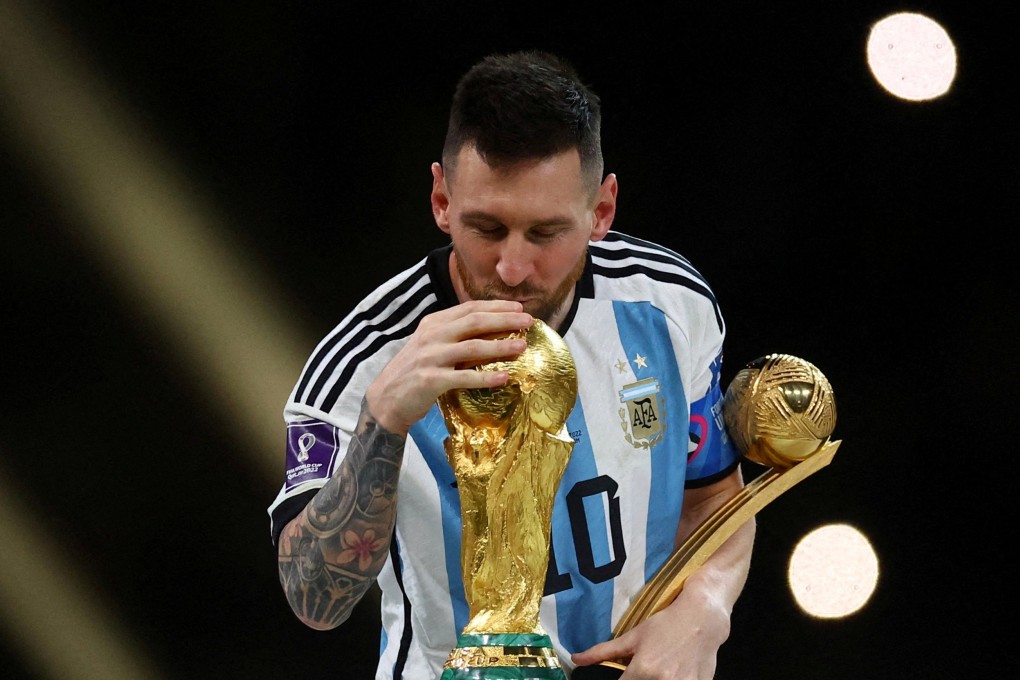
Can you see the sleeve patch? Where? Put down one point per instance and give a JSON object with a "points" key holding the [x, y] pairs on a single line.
{"points": [[311, 451], [710, 450]]}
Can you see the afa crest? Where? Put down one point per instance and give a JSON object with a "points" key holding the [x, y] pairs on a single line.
{"points": [[643, 414]]}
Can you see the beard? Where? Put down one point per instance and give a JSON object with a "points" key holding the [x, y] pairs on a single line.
{"points": [[542, 305]]}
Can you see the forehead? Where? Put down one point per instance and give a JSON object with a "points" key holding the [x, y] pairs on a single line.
{"points": [[556, 178]]}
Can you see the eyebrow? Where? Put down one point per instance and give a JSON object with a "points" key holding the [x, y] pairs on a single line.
{"points": [[482, 216]]}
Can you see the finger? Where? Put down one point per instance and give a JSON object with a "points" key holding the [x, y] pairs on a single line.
{"points": [[487, 323], [475, 312], [489, 306], [610, 650], [487, 379], [471, 353], [465, 309]]}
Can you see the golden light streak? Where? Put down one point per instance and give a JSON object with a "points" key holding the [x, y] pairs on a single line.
{"points": [[51, 613], [151, 230]]}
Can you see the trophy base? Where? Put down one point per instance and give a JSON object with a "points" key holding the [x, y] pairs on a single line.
{"points": [[602, 671], [503, 656]]}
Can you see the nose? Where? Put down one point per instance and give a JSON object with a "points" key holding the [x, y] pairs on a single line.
{"points": [[516, 261]]}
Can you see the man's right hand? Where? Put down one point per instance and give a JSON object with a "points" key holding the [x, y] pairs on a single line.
{"points": [[427, 365]]}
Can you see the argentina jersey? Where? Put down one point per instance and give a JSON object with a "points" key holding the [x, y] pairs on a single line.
{"points": [[646, 336], [644, 428]]}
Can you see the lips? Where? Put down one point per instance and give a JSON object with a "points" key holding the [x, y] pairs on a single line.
{"points": [[523, 301]]}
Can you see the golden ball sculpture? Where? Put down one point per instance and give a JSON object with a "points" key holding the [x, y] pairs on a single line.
{"points": [[779, 409]]}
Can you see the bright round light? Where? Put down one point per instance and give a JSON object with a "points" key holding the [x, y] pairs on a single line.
{"points": [[833, 571], [911, 56]]}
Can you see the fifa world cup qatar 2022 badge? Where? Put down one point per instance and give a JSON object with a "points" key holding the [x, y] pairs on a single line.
{"points": [[312, 451], [508, 448], [780, 412]]}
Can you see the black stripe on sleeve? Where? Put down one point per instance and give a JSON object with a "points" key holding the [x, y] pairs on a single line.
{"points": [[617, 237], [407, 634], [288, 510], [400, 315], [664, 257], [372, 348], [666, 277], [341, 332]]}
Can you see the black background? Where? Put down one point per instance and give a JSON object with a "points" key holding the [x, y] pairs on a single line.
{"points": [[870, 235]]}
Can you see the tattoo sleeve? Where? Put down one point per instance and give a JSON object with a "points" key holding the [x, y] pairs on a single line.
{"points": [[331, 553]]}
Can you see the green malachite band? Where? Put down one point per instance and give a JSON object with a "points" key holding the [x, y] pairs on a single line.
{"points": [[504, 640], [503, 673], [510, 646]]}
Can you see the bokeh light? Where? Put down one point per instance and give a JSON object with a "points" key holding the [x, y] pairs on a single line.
{"points": [[912, 56], [833, 571]]}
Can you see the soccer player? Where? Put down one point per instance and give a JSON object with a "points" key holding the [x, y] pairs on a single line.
{"points": [[369, 492]]}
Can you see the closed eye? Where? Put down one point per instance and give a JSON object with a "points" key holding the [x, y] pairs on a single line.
{"points": [[546, 233], [488, 231]]}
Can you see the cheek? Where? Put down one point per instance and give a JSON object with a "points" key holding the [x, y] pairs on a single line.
{"points": [[554, 264], [480, 261], [476, 260]]}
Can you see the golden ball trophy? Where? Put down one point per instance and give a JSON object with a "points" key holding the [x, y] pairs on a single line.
{"points": [[780, 412], [508, 448]]}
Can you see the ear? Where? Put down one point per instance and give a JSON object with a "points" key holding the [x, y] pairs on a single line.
{"points": [[605, 208], [440, 199]]}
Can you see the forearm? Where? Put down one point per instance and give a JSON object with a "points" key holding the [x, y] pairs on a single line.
{"points": [[717, 584], [331, 553]]}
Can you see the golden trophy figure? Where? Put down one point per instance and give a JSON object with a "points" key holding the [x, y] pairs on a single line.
{"points": [[780, 411], [508, 448]]}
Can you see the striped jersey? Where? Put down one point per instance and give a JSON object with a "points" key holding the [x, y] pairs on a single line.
{"points": [[646, 335]]}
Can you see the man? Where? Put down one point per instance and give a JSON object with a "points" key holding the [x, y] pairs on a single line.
{"points": [[369, 492]]}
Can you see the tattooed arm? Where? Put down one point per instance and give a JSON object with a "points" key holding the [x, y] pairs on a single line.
{"points": [[331, 553]]}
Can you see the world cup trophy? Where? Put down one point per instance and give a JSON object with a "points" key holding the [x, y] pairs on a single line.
{"points": [[508, 448], [780, 412]]}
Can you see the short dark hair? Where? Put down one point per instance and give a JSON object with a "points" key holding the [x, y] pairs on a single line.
{"points": [[523, 106]]}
